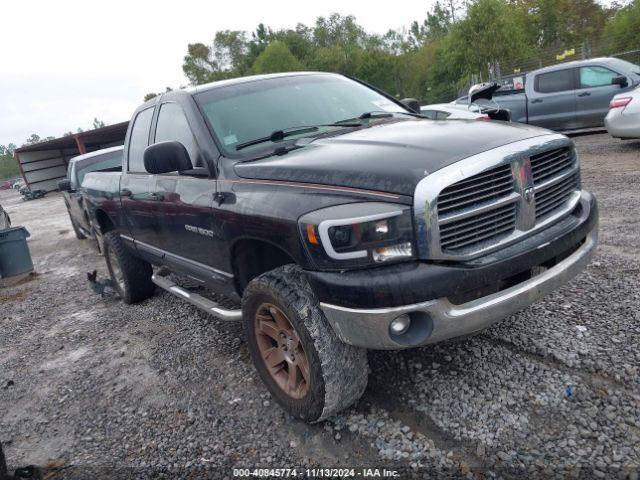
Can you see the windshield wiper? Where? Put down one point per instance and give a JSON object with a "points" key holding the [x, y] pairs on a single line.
{"points": [[379, 114], [383, 114], [276, 136], [376, 114], [279, 135]]}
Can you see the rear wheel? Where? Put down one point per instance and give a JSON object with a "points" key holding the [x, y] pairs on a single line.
{"points": [[76, 229], [307, 369], [131, 276]]}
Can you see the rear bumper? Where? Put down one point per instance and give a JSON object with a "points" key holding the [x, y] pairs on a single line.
{"points": [[622, 125], [439, 318]]}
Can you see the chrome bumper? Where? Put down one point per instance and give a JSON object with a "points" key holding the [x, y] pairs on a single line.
{"points": [[439, 319]]}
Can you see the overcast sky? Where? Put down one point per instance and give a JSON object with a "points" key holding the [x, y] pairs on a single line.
{"points": [[65, 62]]}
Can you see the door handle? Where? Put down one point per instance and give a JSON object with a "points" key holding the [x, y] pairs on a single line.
{"points": [[125, 192], [536, 100], [584, 94]]}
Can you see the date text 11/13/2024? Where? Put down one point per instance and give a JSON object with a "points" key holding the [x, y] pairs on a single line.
{"points": [[316, 472]]}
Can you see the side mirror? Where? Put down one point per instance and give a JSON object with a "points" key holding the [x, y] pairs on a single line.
{"points": [[620, 80], [64, 185], [165, 157], [412, 104]]}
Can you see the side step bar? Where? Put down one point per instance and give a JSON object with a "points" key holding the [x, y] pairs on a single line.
{"points": [[204, 304]]}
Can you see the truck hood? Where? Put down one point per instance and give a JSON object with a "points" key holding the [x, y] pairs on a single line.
{"points": [[390, 157]]}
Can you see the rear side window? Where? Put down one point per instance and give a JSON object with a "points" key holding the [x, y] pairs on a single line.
{"points": [[559, 81], [596, 76], [172, 125], [139, 140]]}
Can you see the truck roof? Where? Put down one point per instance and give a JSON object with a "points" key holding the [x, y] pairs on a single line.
{"points": [[96, 153], [225, 83], [576, 63], [250, 78]]}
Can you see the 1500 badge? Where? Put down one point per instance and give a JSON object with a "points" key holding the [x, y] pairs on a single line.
{"points": [[199, 230]]}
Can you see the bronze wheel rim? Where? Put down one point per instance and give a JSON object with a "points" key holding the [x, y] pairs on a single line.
{"points": [[281, 350]]}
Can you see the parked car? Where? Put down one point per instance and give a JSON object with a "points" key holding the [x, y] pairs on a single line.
{"points": [[444, 111], [568, 96], [623, 119], [105, 160], [5, 185], [340, 219], [479, 105], [18, 184]]}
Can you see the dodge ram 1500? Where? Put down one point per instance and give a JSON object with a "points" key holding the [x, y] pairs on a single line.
{"points": [[340, 219]]}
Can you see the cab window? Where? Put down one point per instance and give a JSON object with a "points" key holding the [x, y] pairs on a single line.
{"points": [[172, 125], [595, 76], [558, 81], [139, 139]]}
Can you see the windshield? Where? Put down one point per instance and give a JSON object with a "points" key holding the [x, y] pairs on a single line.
{"points": [[105, 161], [244, 112]]}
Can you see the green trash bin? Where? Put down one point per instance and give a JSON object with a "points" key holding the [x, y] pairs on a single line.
{"points": [[15, 258]]}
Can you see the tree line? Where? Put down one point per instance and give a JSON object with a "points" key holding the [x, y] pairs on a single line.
{"points": [[8, 166], [430, 59]]}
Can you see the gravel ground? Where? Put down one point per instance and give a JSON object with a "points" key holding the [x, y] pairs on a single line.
{"points": [[93, 388]]}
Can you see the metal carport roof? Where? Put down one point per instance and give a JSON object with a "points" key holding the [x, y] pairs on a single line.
{"points": [[43, 164]]}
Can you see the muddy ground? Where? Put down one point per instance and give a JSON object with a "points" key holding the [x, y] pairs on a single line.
{"points": [[90, 386]]}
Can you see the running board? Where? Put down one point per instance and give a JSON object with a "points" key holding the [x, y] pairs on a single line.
{"points": [[204, 304]]}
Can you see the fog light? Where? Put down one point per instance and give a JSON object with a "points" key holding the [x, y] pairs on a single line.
{"points": [[400, 324]]}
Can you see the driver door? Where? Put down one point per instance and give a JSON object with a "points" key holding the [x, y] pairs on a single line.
{"points": [[594, 93]]}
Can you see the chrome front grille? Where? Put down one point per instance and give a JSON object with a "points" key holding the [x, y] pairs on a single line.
{"points": [[490, 224], [549, 164], [555, 196], [485, 187], [495, 197], [464, 217]]}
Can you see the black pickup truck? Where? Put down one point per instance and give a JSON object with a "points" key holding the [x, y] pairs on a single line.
{"points": [[342, 221]]}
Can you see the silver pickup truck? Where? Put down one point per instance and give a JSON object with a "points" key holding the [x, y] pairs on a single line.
{"points": [[568, 96]]}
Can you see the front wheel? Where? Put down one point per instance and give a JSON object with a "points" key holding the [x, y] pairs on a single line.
{"points": [[307, 369]]}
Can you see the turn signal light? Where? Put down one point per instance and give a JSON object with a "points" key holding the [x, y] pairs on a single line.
{"points": [[311, 235], [620, 102]]}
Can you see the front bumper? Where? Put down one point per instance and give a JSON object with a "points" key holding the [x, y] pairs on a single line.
{"points": [[440, 318]]}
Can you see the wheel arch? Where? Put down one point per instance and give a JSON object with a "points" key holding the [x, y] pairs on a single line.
{"points": [[251, 257], [104, 221]]}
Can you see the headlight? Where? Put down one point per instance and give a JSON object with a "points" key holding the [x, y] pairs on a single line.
{"points": [[358, 234]]}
